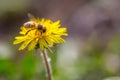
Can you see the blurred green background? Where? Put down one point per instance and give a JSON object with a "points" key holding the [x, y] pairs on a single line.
{"points": [[91, 51]]}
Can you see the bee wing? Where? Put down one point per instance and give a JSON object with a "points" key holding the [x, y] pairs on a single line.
{"points": [[30, 16]]}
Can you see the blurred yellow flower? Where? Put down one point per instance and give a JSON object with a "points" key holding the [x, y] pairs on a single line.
{"points": [[40, 33]]}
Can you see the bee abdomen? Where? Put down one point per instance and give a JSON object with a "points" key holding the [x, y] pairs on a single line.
{"points": [[29, 24]]}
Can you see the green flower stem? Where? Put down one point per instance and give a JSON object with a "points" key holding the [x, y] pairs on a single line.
{"points": [[46, 60]]}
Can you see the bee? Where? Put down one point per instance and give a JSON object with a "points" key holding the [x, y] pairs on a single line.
{"points": [[33, 25]]}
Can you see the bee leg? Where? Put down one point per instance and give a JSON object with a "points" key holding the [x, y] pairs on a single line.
{"points": [[37, 46], [27, 32]]}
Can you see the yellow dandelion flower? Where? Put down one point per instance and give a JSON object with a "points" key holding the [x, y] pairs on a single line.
{"points": [[40, 33]]}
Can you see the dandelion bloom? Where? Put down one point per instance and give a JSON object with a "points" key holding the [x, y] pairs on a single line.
{"points": [[40, 33]]}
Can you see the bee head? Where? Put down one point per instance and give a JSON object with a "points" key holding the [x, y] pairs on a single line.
{"points": [[42, 28]]}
